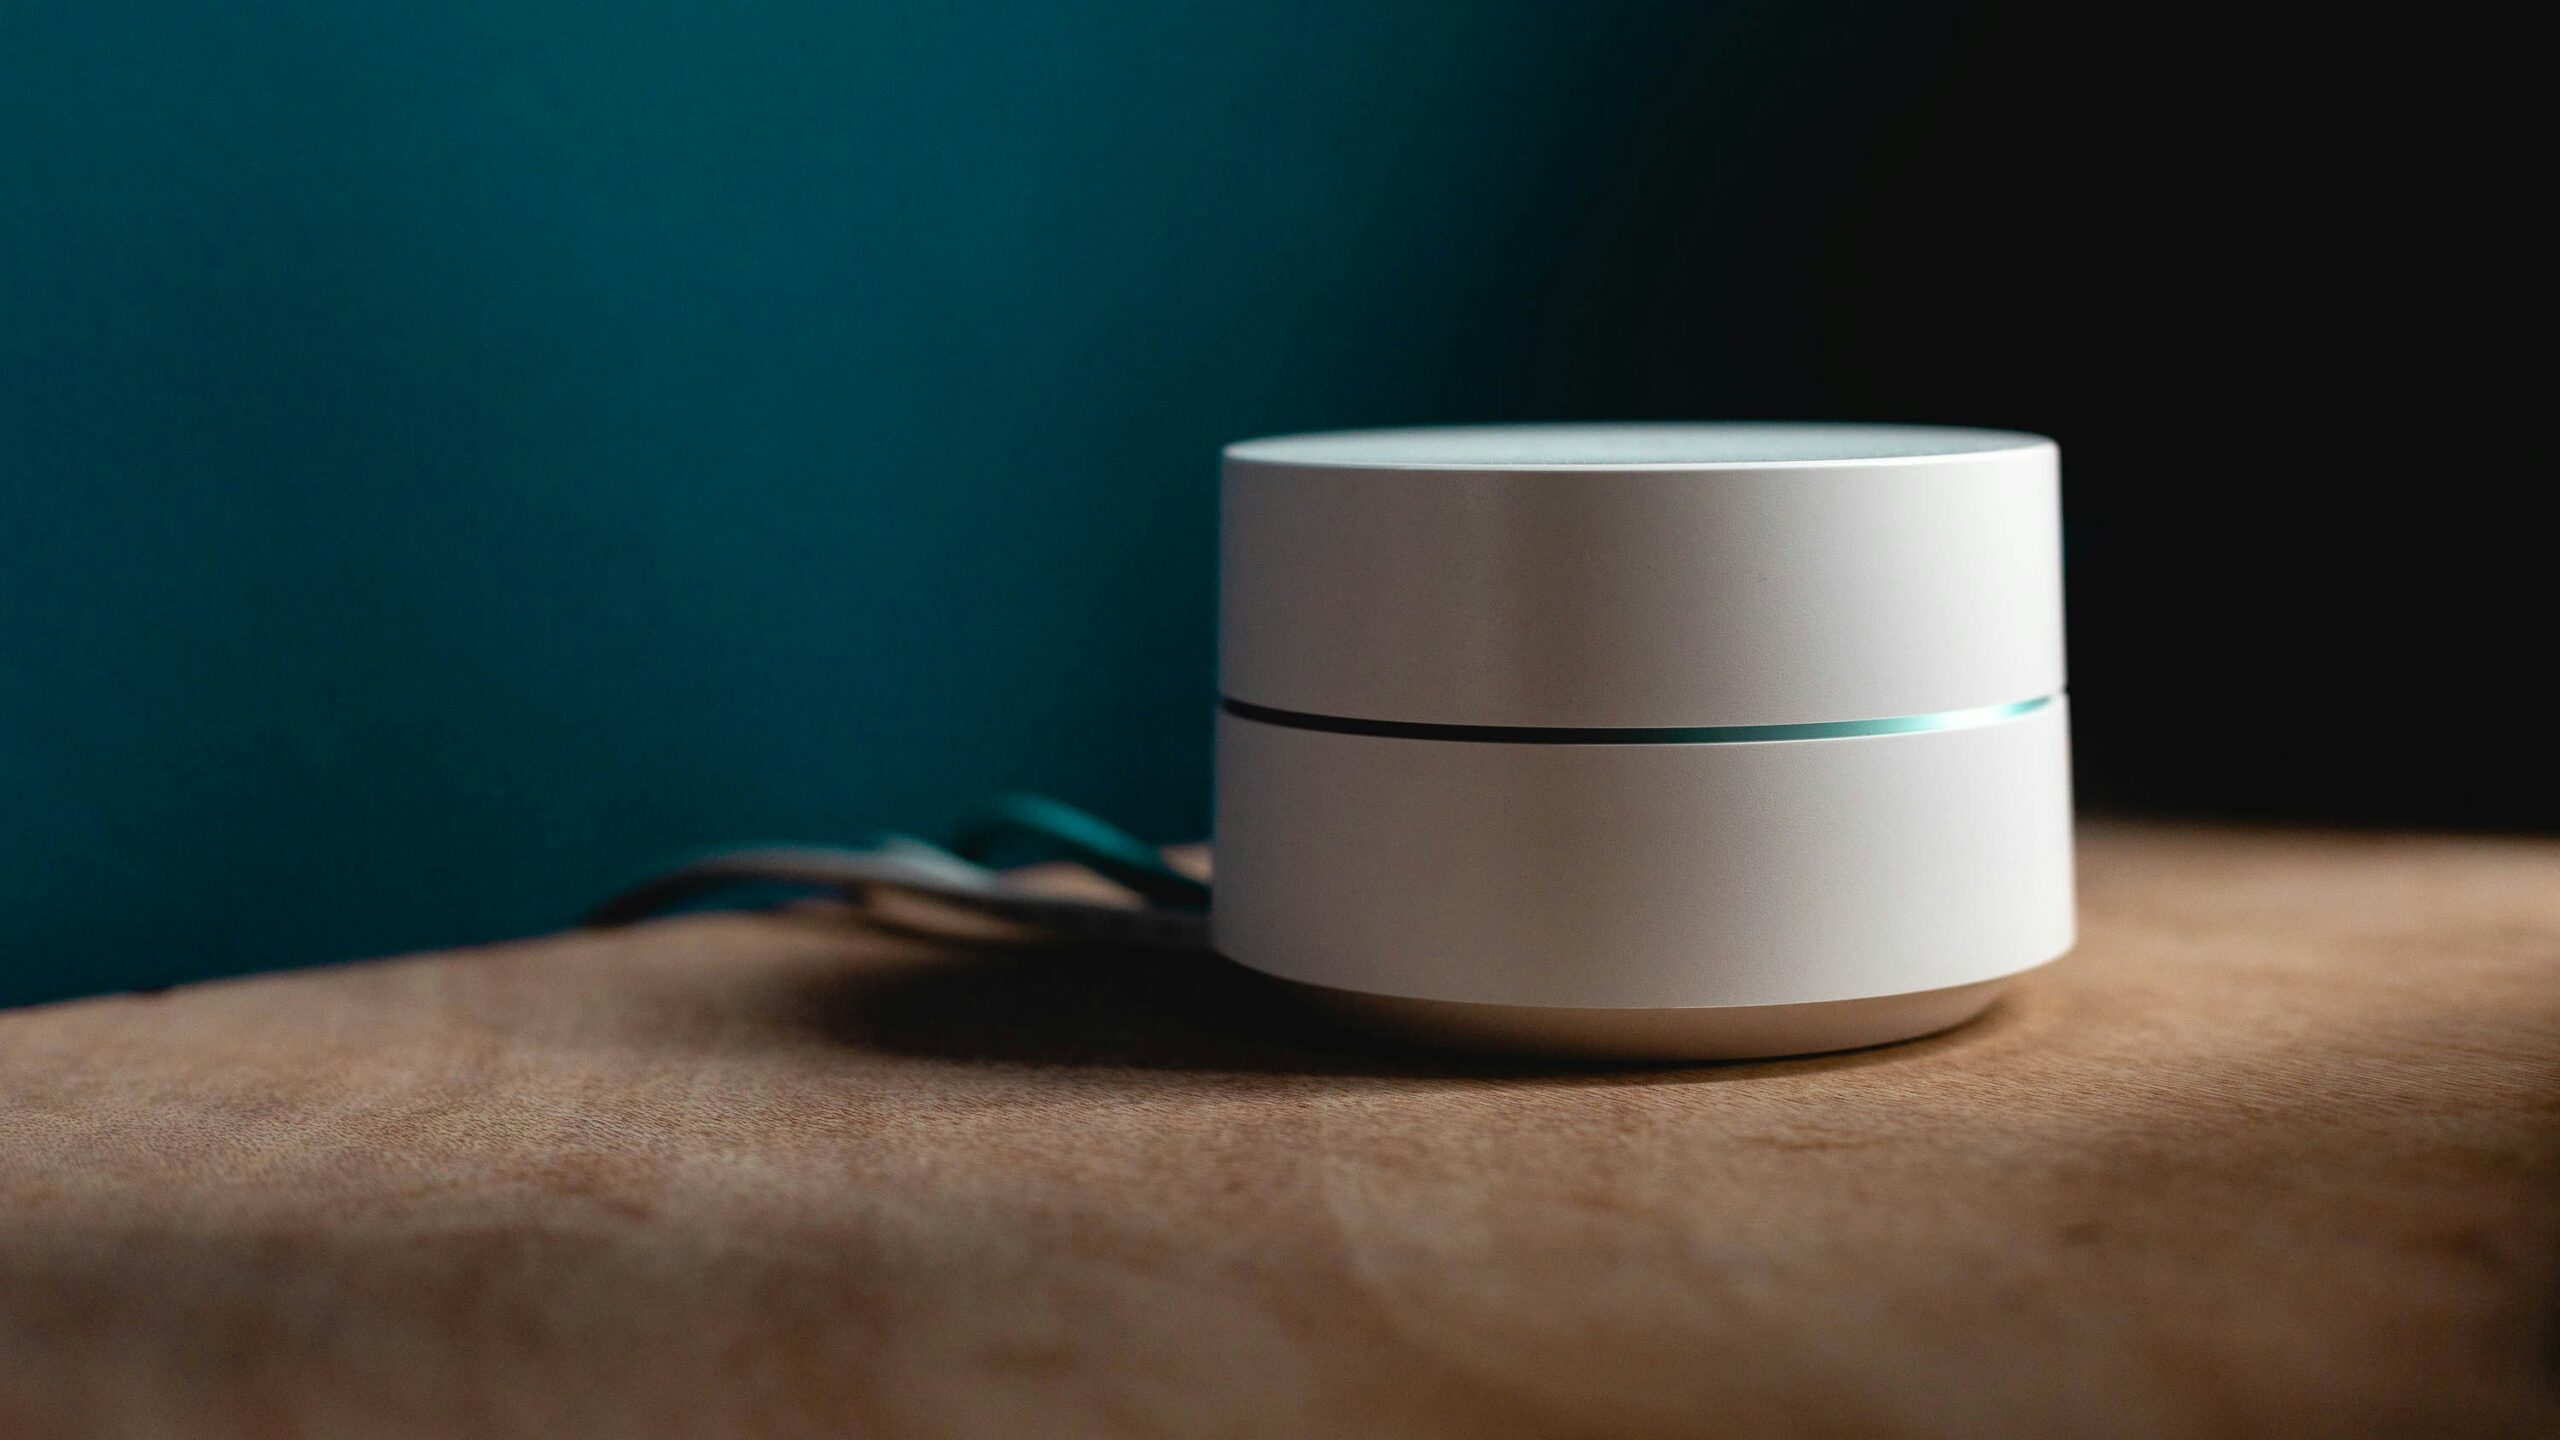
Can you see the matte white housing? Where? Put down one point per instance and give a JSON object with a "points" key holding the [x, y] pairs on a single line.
{"points": [[1675, 740]]}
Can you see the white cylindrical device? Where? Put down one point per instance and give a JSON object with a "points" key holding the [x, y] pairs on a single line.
{"points": [[1706, 740]]}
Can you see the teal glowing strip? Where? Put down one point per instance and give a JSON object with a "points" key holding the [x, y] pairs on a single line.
{"points": [[1641, 734]]}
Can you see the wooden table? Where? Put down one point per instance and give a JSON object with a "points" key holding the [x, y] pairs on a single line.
{"points": [[2276, 1152]]}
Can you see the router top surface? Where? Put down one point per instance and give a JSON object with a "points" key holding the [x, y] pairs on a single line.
{"points": [[1640, 445]]}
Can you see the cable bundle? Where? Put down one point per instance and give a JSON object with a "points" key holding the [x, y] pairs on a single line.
{"points": [[1171, 909]]}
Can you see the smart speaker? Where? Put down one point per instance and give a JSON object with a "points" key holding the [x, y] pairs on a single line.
{"points": [[1711, 740]]}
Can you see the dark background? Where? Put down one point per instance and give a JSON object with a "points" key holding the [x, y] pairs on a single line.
{"points": [[454, 456]]}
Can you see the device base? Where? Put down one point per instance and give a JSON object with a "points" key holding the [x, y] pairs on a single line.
{"points": [[1714, 1032]]}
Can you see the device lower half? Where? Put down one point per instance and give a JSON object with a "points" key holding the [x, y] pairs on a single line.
{"points": [[1712, 900]]}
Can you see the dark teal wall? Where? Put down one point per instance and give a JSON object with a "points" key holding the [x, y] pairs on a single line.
{"points": [[454, 455]]}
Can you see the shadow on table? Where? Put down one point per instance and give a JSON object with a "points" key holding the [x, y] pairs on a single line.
{"points": [[1197, 1013]]}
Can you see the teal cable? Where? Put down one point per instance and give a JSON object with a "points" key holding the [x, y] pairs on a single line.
{"points": [[1070, 833], [1174, 913]]}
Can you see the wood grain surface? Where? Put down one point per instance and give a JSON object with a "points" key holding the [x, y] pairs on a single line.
{"points": [[2276, 1152]]}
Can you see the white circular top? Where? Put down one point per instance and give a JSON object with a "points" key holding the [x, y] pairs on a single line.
{"points": [[1612, 446], [1641, 575]]}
